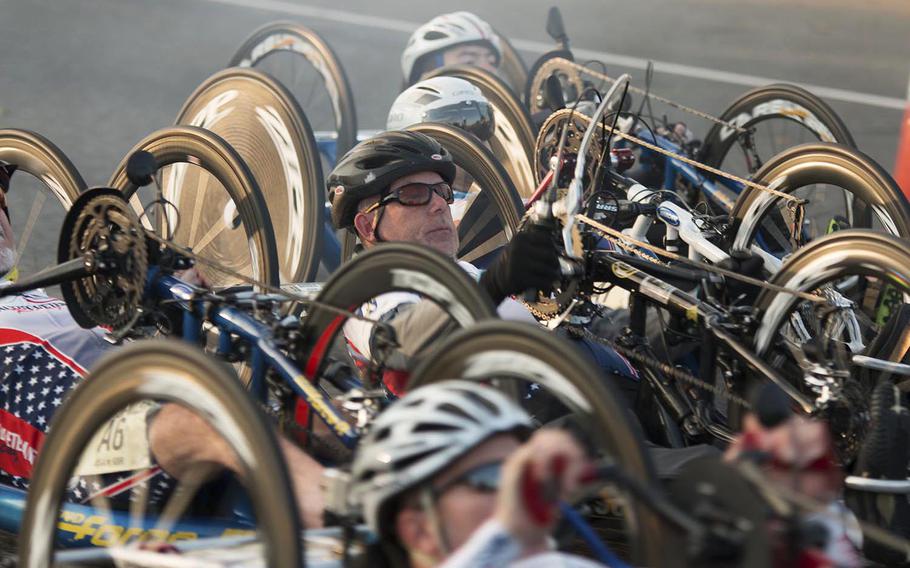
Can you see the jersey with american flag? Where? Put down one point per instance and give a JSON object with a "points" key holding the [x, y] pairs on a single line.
{"points": [[43, 355]]}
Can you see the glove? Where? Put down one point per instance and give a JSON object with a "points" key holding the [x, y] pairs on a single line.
{"points": [[528, 262]]}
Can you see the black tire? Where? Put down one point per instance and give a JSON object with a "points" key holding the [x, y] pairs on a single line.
{"points": [[875, 194], [290, 36], [513, 143], [527, 353], [280, 152], [760, 105], [197, 146], [189, 379], [832, 258], [38, 156], [493, 217], [389, 267], [511, 65]]}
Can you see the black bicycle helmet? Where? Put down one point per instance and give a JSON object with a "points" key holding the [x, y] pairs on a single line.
{"points": [[369, 168]]}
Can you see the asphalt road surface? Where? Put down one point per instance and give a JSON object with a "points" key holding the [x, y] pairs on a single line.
{"points": [[95, 76]]}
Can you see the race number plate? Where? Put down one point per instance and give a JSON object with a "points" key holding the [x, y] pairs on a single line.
{"points": [[121, 444]]}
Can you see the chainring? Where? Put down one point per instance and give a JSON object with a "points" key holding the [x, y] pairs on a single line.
{"points": [[103, 224], [547, 146], [572, 83]]}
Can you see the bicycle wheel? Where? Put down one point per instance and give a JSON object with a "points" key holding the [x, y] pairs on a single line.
{"points": [[513, 142], [779, 116], [862, 276], [146, 373], [54, 173], [250, 251], [487, 209], [259, 118], [843, 188], [511, 65], [276, 48], [391, 267], [511, 352]]}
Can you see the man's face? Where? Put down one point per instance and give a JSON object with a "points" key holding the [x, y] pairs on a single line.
{"points": [[430, 225], [476, 55], [461, 508]]}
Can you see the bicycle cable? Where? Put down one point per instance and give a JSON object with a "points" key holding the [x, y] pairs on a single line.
{"points": [[557, 62]]}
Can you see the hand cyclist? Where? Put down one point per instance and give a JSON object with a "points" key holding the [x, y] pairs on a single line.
{"points": [[44, 354], [439, 479], [449, 39], [396, 186]]}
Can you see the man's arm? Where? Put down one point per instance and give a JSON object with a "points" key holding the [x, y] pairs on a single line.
{"points": [[181, 441]]}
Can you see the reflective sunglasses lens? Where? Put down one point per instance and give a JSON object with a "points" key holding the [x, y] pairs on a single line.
{"points": [[414, 194]]}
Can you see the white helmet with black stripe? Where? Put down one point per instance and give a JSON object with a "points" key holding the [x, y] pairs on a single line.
{"points": [[443, 32], [420, 435]]}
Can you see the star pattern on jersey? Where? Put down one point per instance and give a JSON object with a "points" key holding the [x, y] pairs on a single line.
{"points": [[39, 380]]}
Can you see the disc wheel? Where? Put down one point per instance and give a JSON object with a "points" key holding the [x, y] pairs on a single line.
{"points": [[776, 117], [390, 267], [237, 236], [150, 373], [281, 49], [513, 141], [842, 187], [513, 356], [37, 156], [487, 210], [260, 119], [862, 276]]}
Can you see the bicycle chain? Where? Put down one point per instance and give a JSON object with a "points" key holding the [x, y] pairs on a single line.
{"points": [[558, 62], [608, 231], [669, 370]]}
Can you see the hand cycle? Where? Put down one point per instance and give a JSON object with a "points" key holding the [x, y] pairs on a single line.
{"points": [[114, 274]]}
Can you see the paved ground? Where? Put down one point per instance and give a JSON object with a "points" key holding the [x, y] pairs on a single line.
{"points": [[95, 76]]}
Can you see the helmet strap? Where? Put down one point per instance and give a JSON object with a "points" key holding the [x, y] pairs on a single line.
{"points": [[428, 504]]}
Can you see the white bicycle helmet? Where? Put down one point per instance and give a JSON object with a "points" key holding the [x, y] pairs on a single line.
{"points": [[422, 434], [448, 100], [442, 32]]}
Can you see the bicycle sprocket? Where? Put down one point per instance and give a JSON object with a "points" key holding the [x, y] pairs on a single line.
{"points": [[103, 224]]}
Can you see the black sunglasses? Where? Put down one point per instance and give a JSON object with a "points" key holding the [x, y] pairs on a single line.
{"points": [[415, 194], [483, 478]]}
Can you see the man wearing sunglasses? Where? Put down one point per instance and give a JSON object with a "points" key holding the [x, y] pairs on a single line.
{"points": [[442, 474], [396, 187]]}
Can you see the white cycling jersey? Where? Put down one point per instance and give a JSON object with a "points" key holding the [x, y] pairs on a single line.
{"points": [[358, 333], [492, 546]]}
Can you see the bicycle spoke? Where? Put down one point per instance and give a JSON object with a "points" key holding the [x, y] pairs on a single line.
{"points": [[183, 495]]}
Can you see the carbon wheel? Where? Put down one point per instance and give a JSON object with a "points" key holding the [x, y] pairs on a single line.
{"points": [[843, 188], [862, 275], [261, 120], [512, 66], [280, 49], [516, 355], [513, 142], [237, 235], [390, 267], [98, 414], [488, 213], [52, 174]]}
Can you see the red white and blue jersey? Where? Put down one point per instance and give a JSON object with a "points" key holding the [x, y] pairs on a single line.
{"points": [[43, 355]]}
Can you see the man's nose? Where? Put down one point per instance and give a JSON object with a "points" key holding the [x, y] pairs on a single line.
{"points": [[437, 203]]}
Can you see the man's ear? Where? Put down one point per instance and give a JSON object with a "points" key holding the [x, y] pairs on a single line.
{"points": [[363, 224]]}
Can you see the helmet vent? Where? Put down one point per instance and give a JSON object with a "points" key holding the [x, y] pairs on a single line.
{"points": [[482, 402], [435, 427], [452, 409], [433, 35]]}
